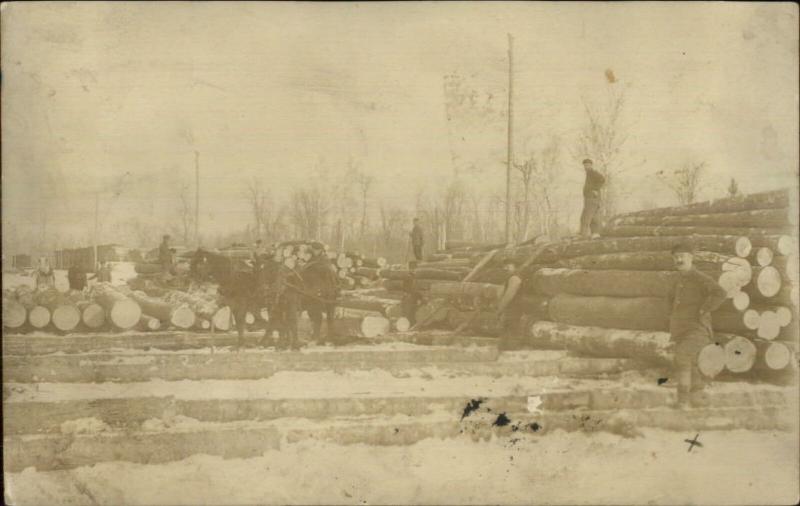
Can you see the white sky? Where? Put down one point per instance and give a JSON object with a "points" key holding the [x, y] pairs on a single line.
{"points": [[94, 90]]}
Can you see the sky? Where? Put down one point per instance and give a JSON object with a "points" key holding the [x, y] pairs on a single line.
{"points": [[92, 91]]}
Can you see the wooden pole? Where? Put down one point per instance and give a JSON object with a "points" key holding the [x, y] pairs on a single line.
{"points": [[197, 197], [96, 218], [510, 154]]}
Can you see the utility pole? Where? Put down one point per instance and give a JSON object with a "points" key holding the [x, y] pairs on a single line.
{"points": [[510, 154], [197, 197], [96, 220]]}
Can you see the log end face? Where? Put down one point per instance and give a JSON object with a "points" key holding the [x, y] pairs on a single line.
{"points": [[66, 318], [125, 314]]}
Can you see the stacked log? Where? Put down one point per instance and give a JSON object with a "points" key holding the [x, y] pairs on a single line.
{"points": [[123, 312], [14, 313], [178, 314], [93, 315]]}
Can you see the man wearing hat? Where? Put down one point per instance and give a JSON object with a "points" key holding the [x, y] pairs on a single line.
{"points": [[165, 254], [691, 299], [510, 308], [321, 282], [590, 217], [417, 240]]}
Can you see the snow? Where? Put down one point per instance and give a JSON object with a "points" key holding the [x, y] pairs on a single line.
{"points": [[418, 382], [559, 467]]}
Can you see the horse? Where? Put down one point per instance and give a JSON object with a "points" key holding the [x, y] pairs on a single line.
{"points": [[242, 286]]}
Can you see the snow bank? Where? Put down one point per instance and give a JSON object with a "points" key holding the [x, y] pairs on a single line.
{"points": [[560, 468]]}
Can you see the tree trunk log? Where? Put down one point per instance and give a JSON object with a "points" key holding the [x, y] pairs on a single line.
{"points": [[652, 346], [14, 314], [488, 292], [39, 317], [65, 317], [401, 324], [740, 355], [123, 312], [711, 360], [396, 285], [776, 199], [93, 315], [786, 296], [732, 245], [769, 326], [643, 230], [773, 355], [630, 313], [768, 281], [762, 256], [149, 323], [761, 218], [221, 320], [368, 272], [612, 283], [648, 261]]}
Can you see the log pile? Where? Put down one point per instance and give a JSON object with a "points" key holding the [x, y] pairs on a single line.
{"points": [[607, 296]]}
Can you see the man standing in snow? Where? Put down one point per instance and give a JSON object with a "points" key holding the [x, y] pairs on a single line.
{"points": [[590, 217]]}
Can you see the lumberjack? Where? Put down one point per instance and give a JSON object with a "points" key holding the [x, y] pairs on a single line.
{"points": [[412, 298], [510, 309], [417, 240], [691, 300], [590, 219]]}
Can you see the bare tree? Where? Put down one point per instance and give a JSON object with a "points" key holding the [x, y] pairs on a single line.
{"points": [[310, 207], [603, 140], [686, 182], [364, 182], [257, 198]]}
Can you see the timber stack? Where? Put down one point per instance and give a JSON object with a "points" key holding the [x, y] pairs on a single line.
{"points": [[608, 296]]}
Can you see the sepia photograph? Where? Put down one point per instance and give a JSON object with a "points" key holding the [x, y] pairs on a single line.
{"points": [[400, 253]]}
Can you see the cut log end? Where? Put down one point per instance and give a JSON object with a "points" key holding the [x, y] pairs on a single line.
{"points": [[711, 360], [768, 281], [264, 313], [740, 354], [769, 325], [39, 317], [743, 247], [374, 326], [94, 316], [402, 324], [14, 314], [222, 319], [764, 256], [751, 319], [784, 316], [777, 356], [741, 301], [182, 317], [786, 245], [125, 314], [66, 317]]}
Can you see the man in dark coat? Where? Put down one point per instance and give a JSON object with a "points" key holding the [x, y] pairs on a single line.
{"points": [[691, 300], [510, 307], [417, 240], [322, 288], [165, 254], [590, 217], [412, 297]]}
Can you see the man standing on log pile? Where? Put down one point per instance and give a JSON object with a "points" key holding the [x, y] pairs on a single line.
{"points": [[417, 240], [412, 297], [691, 300], [590, 217], [164, 254], [509, 309]]}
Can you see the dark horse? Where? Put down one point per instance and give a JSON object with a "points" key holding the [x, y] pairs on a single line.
{"points": [[284, 291], [241, 286]]}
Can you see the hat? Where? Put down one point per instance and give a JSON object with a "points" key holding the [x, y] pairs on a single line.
{"points": [[683, 247], [587, 160]]}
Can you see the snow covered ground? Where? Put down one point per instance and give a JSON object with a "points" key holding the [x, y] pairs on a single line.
{"points": [[735, 467]]}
